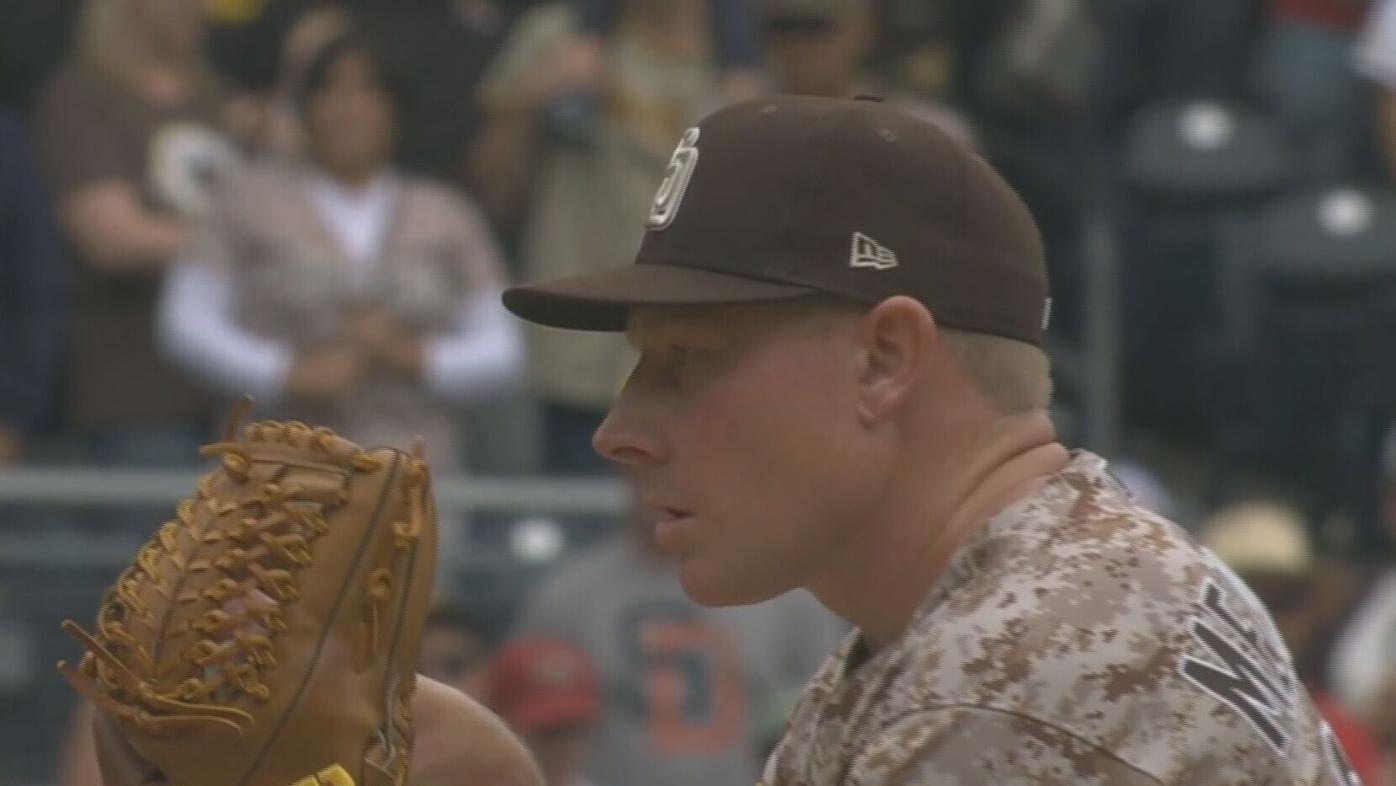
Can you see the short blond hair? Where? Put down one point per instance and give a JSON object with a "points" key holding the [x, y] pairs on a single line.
{"points": [[1015, 376]]}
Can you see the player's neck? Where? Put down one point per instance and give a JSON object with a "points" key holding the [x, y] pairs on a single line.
{"points": [[889, 575]]}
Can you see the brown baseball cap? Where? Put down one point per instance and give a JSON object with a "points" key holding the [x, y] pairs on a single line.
{"points": [[783, 197]]}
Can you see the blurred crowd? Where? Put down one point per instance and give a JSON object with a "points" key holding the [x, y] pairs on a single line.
{"points": [[320, 202]]}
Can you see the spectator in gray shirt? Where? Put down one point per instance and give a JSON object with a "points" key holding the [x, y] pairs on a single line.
{"points": [[686, 690]]}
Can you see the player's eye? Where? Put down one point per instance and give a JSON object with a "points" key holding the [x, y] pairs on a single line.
{"points": [[686, 356], [681, 362]]}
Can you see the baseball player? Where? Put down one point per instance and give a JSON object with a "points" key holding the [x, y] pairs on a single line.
{"points": [[840, 313]]}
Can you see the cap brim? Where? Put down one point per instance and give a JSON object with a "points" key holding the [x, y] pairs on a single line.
{"points": [[602, 300]]}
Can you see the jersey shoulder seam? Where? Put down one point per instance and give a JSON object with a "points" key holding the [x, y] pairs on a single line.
{"points": [[1032, 719]]}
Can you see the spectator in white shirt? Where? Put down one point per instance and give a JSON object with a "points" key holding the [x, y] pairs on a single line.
{"points": [[340, 290]]}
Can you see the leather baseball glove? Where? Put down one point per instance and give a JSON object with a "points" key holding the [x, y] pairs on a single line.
{"points": [[267, 634]]}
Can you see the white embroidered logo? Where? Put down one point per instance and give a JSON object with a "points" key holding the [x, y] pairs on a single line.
{"points": [[676, 177], [1046, 315], [870, 253]]}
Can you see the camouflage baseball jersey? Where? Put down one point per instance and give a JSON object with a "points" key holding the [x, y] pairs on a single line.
{"points": [[1075, 639]]}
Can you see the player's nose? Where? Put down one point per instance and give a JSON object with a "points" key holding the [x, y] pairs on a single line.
{"points": [[629, 436]]}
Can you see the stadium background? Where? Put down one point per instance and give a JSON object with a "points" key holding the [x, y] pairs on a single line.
{"points": [[1213, 179]]}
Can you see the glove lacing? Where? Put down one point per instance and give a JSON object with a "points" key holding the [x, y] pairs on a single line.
{"points": [[263, 551]]}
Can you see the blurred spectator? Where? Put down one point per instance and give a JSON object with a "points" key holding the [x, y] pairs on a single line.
{"points": [[279, 127], [1024, 73], [1304, 74], [1268, 547], [1171, 49], [820, 47], [455, 651], [771, 727], [1376, 60], [1363, 669], [546, 690], [34, 296], [734, 37], [245, 37], [339, 290], [917, 45], [816, 47], [687, 689], [440, 49], [127, 135], [596, 176]]}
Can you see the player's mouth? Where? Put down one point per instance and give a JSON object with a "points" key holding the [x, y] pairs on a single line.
{"points": [[657, 511], [669, 526]]}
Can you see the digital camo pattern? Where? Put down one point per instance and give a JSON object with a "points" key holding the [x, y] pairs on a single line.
{"points": [[1076, 639]]}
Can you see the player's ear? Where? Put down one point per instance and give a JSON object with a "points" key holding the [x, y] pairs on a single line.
{"points": [[894, 336]]}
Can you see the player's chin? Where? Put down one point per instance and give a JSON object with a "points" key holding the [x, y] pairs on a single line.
{"points": [[719, 584]]}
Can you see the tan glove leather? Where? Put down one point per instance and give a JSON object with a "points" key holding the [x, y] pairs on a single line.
{"points": [[267, 634]]}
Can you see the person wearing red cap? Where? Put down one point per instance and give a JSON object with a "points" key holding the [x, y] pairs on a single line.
{"points": [[840, 313], [689, 690], [546, 690]]}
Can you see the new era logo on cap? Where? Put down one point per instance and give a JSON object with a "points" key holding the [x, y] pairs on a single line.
{"points": [[870, 253]]}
